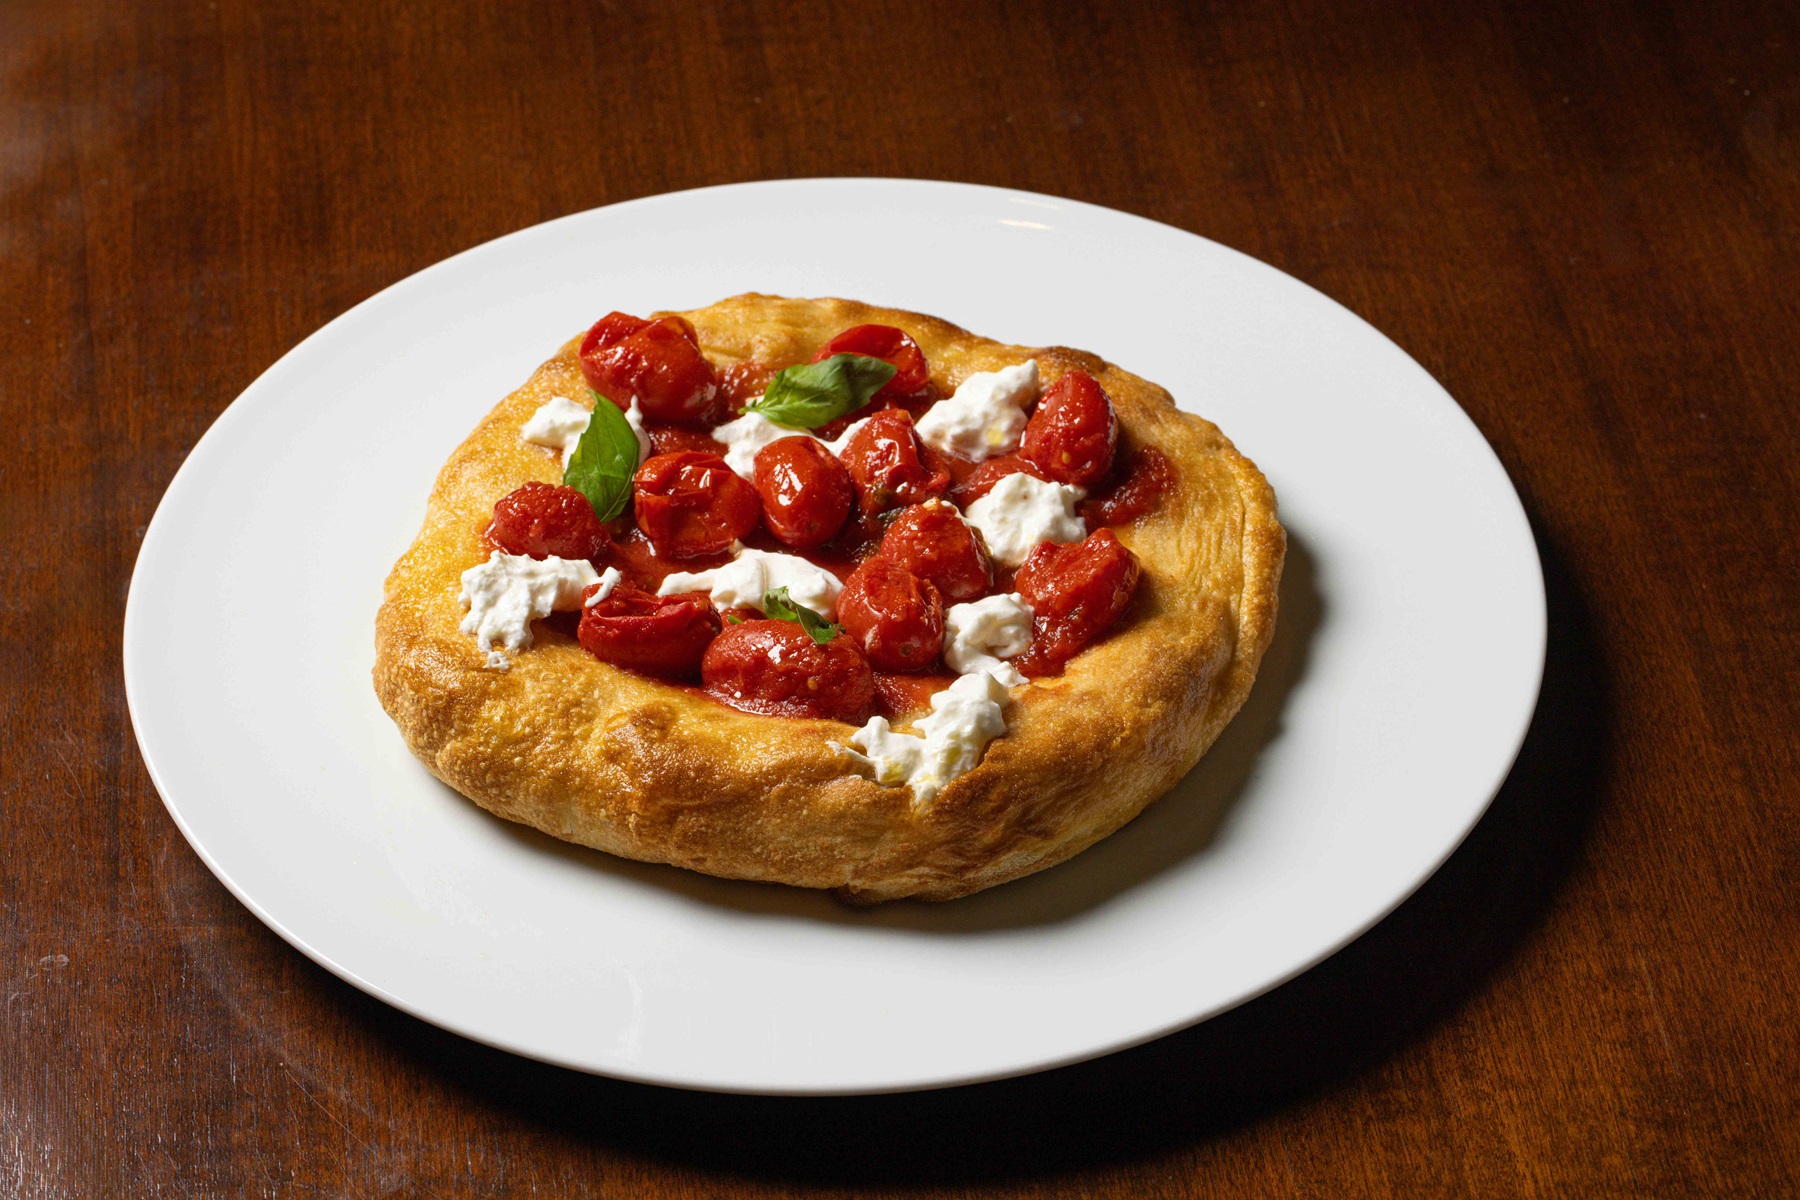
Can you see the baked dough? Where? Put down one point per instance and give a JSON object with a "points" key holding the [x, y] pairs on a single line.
{"points": [[593, 754]]}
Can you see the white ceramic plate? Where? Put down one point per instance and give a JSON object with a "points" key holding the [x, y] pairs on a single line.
{"points": [[1391, 705]]}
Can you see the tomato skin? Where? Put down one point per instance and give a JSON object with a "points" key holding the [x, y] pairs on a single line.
{"points": [[672, 439], [744, 383], [659, 362], [1076, 592], [896, 617], [890, 466], [937, 545], [912, 406], [890, 345], [544, 519], [607, 332], [1072, 435], [691, 504], [806, 492], [663, 636], [1150, 477], [981, 480], [775, 668], [898, 696]]}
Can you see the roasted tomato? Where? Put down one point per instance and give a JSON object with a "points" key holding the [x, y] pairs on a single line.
{"points": [[1142, 489], [899, 696], [672, 439], [890, 466], [659, 362], [981, 480], [896, 617], [806, 492], [775, 667], [1076, 593], [937, 545], [690, 504], [890, 345], [658, 635], [1071, 436], [744, 383], [544, 520]]}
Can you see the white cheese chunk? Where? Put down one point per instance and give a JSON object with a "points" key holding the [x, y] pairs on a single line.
{"points": [[746, 579], [964, 718], [985, 417], [557, 424], [745, 435], [895, 758], [609, 579], [979, 634], [1023, 510], [560, 422], [505, 594]]}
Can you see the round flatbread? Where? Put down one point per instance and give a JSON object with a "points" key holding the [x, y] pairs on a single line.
{"points": [[593, 754]]}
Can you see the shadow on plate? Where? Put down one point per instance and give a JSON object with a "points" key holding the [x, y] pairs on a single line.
{"points": [[1412, 970], [1173, 829]]}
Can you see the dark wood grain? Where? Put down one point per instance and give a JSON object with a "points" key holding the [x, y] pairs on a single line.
{"points": [[1581, 218]]}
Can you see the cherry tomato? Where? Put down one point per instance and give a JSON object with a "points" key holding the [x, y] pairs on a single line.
{"points": [[890, 466], [775, 667], [912, 406], [691, 504], [744, 383], [806, 492], [981, 480], [657, 361], [898, 696], [658, 635], [937, 545], [1072, 434], [672, 439], [890, 345], [1076, 592], [1151, 475], [896, 617], [544, 519]]}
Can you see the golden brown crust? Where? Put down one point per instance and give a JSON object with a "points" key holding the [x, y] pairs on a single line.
{"points": [[596, 755]]}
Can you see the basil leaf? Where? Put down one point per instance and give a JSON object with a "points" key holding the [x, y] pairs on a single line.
{"points": [[781, 606], [604, 460], [809, 395]]}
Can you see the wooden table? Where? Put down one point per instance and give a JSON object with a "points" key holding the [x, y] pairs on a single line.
{"points": [[1583, 223]]}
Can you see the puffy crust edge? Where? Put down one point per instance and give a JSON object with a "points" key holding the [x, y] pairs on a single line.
{"points": [[598, 756]]}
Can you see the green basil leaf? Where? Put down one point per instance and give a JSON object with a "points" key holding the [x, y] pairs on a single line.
{"points": [[604, 460], [809, 395], [782, 607]]}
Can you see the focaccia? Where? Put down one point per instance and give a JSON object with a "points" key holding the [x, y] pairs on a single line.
{"points": [[660, 771]]}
